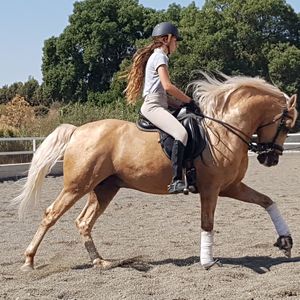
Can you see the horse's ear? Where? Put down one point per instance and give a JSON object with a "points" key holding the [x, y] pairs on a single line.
{"points": [[293, 102]]}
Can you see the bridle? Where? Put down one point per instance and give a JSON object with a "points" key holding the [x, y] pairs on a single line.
{"points": [[272, 146], [259, 148]]}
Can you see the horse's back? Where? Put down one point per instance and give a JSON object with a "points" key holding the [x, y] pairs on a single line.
{"points": [[113, 146], [110, 132], [95, 138]]}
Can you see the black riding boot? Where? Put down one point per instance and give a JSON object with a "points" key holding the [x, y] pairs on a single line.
{"points": [[177, 185]]}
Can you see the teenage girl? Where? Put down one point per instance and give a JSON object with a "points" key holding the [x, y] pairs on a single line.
{"points": [[149, 74]]}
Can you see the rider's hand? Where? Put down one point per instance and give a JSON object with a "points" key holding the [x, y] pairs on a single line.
{"points": [[192, 106]]}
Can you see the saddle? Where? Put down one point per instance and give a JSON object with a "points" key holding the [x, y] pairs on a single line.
{"points": [[192, 122]]}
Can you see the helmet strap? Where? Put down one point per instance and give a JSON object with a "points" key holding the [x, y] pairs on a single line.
{"points": [[167, 44]]}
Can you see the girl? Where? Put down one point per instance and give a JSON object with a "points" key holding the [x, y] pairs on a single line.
{"points": [[149, 74]]}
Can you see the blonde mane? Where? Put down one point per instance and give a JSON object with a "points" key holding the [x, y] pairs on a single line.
{"points": [[212, 94]]}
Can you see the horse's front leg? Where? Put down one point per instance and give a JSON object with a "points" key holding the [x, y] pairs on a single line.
{"points": [[246, 194], [208, 206]]}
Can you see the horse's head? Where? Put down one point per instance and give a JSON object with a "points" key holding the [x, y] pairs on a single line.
{"points": [[272, 132]]}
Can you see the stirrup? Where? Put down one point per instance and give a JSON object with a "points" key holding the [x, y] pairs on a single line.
{"points": [[176, 187]]}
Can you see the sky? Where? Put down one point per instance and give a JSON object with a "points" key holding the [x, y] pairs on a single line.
{"points": [[25, 25]]}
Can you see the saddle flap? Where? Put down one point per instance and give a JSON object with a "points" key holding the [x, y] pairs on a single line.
{"points": [[196, 141], [193, 125]]}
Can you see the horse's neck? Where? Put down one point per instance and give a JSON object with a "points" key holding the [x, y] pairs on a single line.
{"points": [[244, 109], [237, 121], [243, 119]]}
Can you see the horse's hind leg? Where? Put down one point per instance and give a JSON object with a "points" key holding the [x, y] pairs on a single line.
{"points": [[95, 206], [246, 194], [62, 203]]}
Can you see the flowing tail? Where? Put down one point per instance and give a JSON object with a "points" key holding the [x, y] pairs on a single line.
{"points": [[49, 152]]}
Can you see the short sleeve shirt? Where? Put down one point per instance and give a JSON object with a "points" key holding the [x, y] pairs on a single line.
{"points": [[152, 83]]}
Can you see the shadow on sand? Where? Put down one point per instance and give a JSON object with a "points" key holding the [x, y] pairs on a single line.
{"points": [[258, 264]]}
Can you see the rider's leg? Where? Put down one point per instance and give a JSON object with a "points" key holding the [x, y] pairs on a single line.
{"points": [[157, 113], [177, 185]]}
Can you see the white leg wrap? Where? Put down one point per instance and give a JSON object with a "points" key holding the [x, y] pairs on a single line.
{"points": [[206, 249], [279, 223]]}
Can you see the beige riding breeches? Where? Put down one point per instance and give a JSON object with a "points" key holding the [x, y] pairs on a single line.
{"points": [[155, 109]]}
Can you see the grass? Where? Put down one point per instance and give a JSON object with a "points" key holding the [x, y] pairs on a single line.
{"points": [[18, 119]]}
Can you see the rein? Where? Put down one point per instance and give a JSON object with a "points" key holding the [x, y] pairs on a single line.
{"points": [[253, 146], [235, 131]]}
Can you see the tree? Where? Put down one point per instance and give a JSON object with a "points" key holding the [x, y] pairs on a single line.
{"points": [[4, 94], [185, 62], [284, 68], [85, 56], [235, 36], [28, 91]]}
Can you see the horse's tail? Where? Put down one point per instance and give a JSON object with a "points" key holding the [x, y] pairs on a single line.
{"points": [[48, 153]]}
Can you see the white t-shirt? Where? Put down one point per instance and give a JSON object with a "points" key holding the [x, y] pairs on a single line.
{"points": [[152, 83]]}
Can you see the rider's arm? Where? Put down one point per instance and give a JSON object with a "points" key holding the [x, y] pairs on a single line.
{"points": [[170, 88]]}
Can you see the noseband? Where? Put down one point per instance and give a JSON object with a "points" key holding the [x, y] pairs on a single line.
{"points": [[264, 148]]}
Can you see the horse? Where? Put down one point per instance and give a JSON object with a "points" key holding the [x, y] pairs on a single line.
{"points": [[101, 157]]}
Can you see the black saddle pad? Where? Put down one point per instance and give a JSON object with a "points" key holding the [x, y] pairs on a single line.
{"points": [[192, 122]]}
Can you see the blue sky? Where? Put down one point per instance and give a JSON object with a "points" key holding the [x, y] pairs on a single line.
{"points": [[24, 25]]}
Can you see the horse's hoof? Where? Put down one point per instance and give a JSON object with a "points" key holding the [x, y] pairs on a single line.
{"points": [[105, 264], [287, 253], [27, 268], [207, 266], [285, 244]]}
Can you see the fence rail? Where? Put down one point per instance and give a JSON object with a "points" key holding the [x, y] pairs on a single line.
{"points": [[21, 139], [14, 171], [292, 143]]}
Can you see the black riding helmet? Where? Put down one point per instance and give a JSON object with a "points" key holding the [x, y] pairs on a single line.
{"points": [[166, 28]]}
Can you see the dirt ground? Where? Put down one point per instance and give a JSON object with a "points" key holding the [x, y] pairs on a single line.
{"points": [[165, 231]]}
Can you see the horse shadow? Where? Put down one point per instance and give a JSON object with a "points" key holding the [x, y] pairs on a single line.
{"points": [[258, 264]]}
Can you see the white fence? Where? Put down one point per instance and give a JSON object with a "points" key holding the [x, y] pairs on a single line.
{"points": [[292, 143], [33, 141], [13, 171]]}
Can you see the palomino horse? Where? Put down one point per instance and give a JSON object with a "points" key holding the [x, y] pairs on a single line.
{"points": [[102, 157]]}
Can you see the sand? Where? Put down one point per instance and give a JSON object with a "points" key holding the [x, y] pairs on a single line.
{"points": [[165, 231]]}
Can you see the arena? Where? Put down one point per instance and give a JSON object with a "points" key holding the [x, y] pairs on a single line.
{"points": [[164, 231]]}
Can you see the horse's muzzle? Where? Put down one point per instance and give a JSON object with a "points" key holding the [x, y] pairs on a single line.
{"points": [[269, 158]]}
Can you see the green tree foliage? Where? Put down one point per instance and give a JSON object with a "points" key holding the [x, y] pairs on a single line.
{"points": [[4, 97], [284, 68], [236, 37], [29, 90], [86, 55]]}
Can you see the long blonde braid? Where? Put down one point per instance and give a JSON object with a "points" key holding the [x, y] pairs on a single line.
{"points": [[135, 77]]}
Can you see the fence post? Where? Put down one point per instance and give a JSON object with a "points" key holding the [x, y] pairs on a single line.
{"points": [[33, 145]]}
